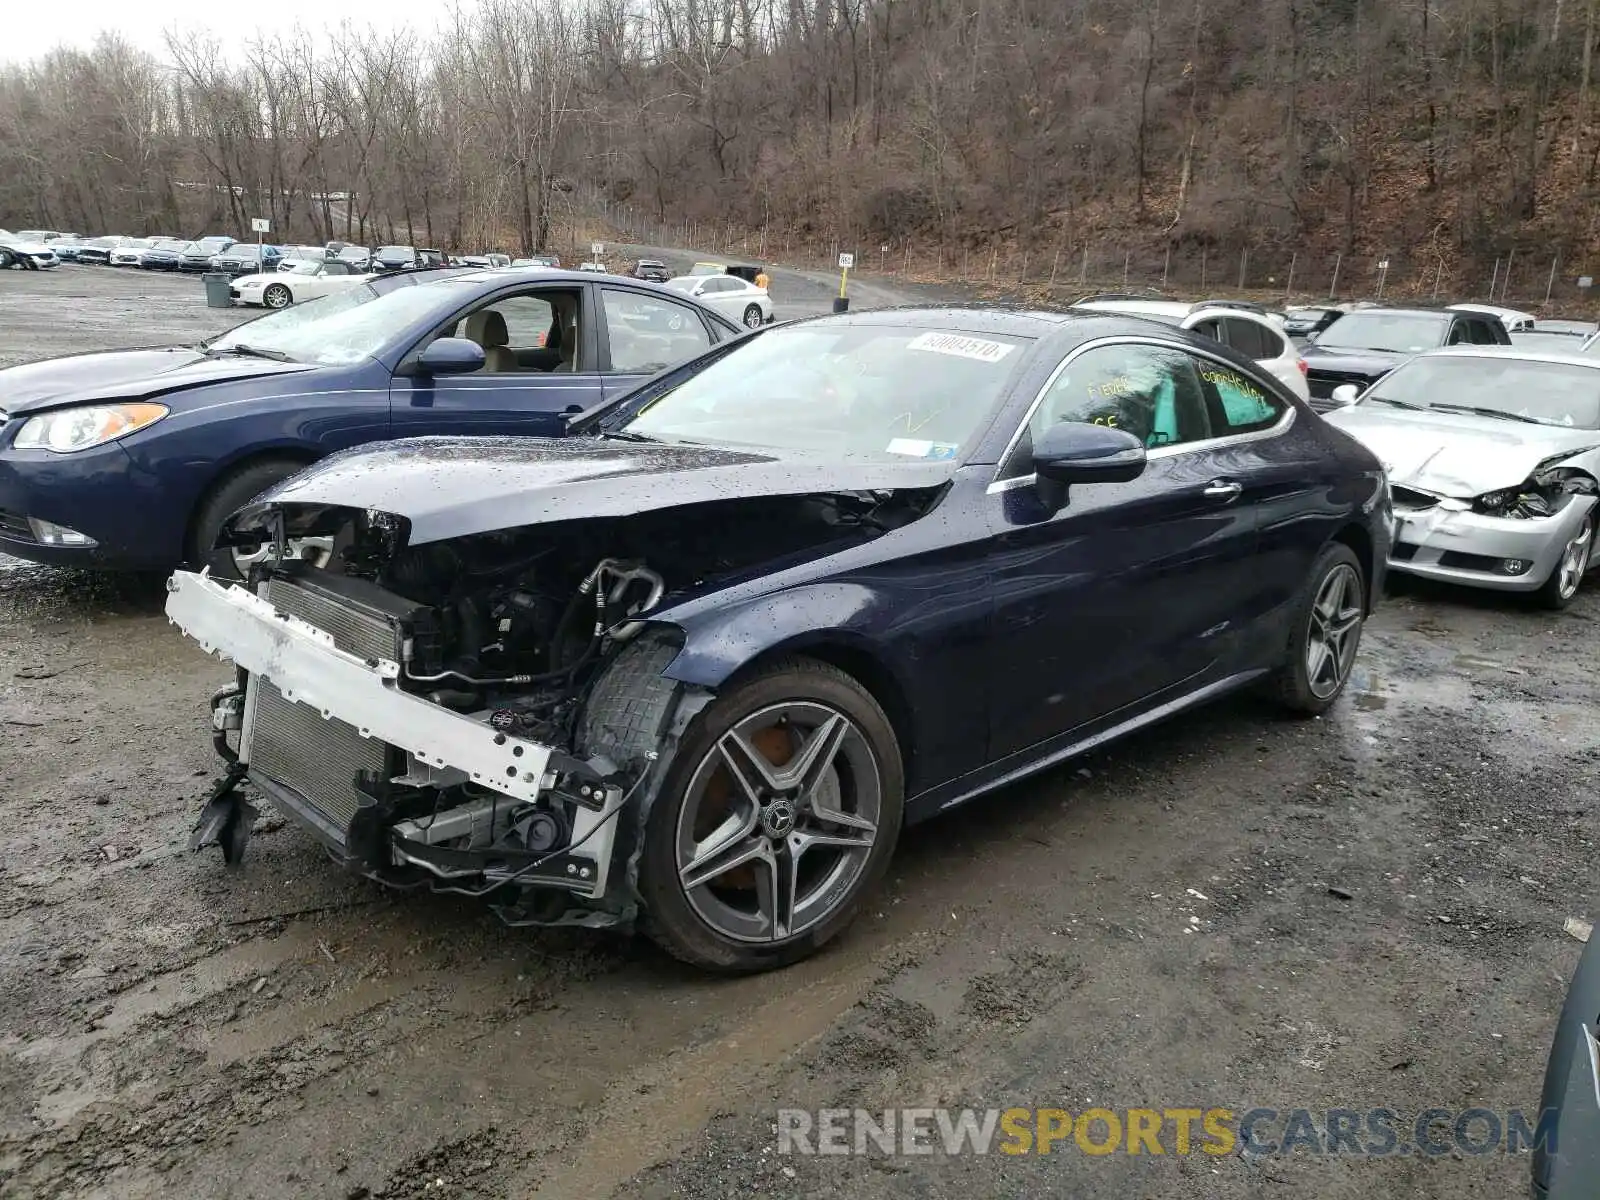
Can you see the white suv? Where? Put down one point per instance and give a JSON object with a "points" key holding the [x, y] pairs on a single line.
{"points": [[1251, 331]]}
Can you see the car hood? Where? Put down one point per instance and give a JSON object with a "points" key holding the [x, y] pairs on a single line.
{"points": [[124, 375], [26, 246], [1369, 362], [455, 487], [1450, 454]]}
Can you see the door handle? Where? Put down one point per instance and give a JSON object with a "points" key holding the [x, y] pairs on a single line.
{"points": [[1222, 489]]}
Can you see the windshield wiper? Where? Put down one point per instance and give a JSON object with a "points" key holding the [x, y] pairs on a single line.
{"points": [[1488, 412], [1405, 404], [253, 352], [624, 435]]}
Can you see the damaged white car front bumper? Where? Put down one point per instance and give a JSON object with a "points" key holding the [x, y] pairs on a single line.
{"points": [[1449, 541], [441, 746]]}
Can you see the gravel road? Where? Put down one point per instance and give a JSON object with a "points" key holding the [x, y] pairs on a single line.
{"points": [[1149, 927]]}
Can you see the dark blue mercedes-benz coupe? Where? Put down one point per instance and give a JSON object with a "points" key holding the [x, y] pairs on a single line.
{"points": [[131, 459], [699, 660]]}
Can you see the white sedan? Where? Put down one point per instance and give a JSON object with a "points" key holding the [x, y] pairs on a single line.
{"points": [[19, 248], [728, 294], [130, 253], [306, 280]]}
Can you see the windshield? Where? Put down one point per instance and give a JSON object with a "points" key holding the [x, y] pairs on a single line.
{"points": [[1398, 333], [304, 267], [684, 283], [883, 392], [396, 251], [337, 330], [1523, 389]]}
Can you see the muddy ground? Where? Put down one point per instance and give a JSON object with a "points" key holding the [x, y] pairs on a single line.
{"points": [[171, 1028]]}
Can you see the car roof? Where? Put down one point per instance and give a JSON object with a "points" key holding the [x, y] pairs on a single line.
{"points": [[1072, 324], [1137, 306], [1165, 308], [1494, 310], [1521, 354], [1417, 310]]}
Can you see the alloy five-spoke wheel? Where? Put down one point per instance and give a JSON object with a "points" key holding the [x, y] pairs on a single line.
{"points": [[1574, 559], [779, 821], [1567, 576], [1326, 633], [778, 811], [1335, 631]]}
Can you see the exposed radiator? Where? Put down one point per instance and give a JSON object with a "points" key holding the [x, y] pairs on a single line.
{"points": [[291, 744]]}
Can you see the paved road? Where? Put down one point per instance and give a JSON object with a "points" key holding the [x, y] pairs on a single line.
{"points": [[795, 293], [1151, 927]]}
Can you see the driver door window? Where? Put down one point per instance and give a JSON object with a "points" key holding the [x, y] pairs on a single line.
{"points": [[536, 332], [1149, 391]]}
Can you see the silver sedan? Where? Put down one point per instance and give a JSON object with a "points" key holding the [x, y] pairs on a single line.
{"points": [[1493, 457]]}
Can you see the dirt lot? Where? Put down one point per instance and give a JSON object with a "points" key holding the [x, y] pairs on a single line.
{"points": [[1149, 927]]}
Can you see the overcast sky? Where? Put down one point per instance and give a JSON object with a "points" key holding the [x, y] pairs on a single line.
{"points": [[76, 23]]}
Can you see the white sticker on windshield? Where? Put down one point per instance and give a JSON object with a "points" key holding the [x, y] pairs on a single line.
{"points": [[961, 346], [917, 448]]}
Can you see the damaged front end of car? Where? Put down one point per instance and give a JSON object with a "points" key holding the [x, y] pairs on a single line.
{"points": [[1506, 538], [429, 711]]}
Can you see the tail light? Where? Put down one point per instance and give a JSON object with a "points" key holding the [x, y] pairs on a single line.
{"points": [[1305, 369]]}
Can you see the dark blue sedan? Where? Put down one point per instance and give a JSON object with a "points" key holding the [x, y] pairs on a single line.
{"points": [[131, 459], [830, 578]]}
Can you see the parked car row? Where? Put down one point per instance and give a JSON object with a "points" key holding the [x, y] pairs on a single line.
{"points": [[235, 257]]}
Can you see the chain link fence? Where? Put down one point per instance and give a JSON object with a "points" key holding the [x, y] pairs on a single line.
{"points": [[1531, 279]]}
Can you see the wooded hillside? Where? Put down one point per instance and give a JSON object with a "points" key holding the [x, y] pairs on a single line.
{"points": [[1454, 131]]}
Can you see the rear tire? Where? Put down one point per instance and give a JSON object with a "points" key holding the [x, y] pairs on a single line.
{"points": [[836, 838], [752, 316], [277, 296], [1567, 575], [1328, 620], [230, 494]]}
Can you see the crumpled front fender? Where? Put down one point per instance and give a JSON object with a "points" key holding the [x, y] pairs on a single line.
{"points": [[720, 640]]}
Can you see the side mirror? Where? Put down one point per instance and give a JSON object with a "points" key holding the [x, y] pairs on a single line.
{"points": [[1075, 452], [451, 356], [1346, 393]]}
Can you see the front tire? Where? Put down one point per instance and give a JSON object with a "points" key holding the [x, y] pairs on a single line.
{"points": [[779, 812], [232, 493], [1327, 634], [752, 317], [277, 296], [1567, 576]]}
